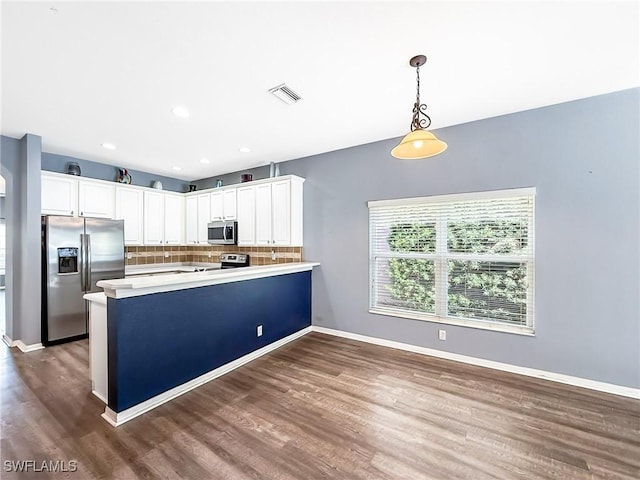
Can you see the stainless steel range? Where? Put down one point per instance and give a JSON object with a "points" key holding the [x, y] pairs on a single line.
{"points": [[234, 260]]}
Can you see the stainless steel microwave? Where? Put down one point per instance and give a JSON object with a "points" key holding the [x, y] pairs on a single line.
{"points": [[222, 233]]}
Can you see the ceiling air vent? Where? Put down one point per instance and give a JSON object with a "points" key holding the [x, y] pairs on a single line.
{"points": [[285, 94]]}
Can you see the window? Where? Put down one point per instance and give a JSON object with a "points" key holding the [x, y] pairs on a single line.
{"points": [[463, 259]]}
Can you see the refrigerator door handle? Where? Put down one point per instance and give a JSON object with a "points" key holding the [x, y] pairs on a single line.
{"points": [[82, 262], [88, 262]]}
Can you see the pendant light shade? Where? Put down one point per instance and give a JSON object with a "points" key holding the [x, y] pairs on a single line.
{"points": [[419, 143]]}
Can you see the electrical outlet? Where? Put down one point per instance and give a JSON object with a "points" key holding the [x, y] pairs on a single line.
{"points": [[273, 254], [209, 254], [166, 254], [129, 255], [442, 334], [259, 331]]}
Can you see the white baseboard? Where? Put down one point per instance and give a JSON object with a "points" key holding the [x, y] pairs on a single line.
{"points": [[28, 348], [505, 367], [118, 418], [21, 345]]}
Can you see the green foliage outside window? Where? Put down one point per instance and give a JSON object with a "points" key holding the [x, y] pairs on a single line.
{"points": [[482, 290], [413, 280]]}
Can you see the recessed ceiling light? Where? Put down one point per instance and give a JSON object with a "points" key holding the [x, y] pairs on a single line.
{"points": [[108, 146], [245, 149], [206, 161], [180, 112], [176, 168]]}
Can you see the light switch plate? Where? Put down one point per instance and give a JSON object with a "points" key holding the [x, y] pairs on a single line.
{"points": [[259, 331]]}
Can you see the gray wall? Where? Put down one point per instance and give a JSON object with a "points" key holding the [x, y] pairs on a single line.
{"points": [[583, 157], [20, 166], [58, 163]]}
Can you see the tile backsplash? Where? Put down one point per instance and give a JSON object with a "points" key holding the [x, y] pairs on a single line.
{"points": [[209, 254]]}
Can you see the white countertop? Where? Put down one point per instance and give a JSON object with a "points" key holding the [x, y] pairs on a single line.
{"points": [[98, 297], [145, 285]]}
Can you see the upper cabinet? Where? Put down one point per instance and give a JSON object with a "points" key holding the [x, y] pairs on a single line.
{"points": [[223, 205], [173, 219], [198, 216], [68, 195], [270, 213], [96, 199], [263, 214], [286, 213], [191, 220], [59, 195], [153, 218], [130, 208], [163, 218], [204, 217], [246, 209]]}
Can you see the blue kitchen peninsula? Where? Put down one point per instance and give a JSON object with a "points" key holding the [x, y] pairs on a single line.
{"points": [[167, 334]]}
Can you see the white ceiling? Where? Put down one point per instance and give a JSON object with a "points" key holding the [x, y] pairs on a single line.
{"points": [[91, 73]]}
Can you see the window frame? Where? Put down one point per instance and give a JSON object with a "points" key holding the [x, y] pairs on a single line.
{"points": [[441, 257]]}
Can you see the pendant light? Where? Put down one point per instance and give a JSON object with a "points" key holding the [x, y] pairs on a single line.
{"points": [[419, 143]]}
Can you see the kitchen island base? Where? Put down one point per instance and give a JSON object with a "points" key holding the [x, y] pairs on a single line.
{"points": [[117, 419], [163, 344]]}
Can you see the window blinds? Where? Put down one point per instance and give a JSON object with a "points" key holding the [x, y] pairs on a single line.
{"points": [[467, 257]]}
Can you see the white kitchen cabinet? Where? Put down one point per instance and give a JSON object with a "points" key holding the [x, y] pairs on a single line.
{"points": [[191, 220], [153, 218], [270, 213], [229, 204], [223, 205], [130, 208], [216, 211], [96, 199], [263, 214], [173, 219], [163, 218], [246, 212], [281, 213], [68, 195], [204, 217], [59, 194]]}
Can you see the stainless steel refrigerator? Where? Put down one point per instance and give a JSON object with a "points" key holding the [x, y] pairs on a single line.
{"points": [[76, 253]]}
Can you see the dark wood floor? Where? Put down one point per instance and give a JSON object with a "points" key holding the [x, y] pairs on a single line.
{"points": [[321, 407]]}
